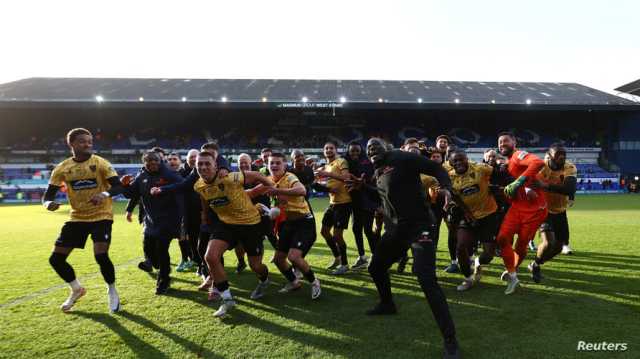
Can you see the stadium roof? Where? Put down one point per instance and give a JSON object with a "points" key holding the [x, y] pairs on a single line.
{"points": [[304, 93], [632, 88]]}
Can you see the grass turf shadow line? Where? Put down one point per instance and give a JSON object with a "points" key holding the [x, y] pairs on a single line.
{"points": [[187, 344], [140, 348]]}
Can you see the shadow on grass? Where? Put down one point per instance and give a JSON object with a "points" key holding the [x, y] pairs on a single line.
{"points": [[139, 346]]}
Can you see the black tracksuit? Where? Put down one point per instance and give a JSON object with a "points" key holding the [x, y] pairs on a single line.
{"points": [[162, 215], [408, 223], [191, 216], [364, 206]]}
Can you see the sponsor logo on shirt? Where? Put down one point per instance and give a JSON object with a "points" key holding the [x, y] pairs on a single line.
{"points": [[219, 202], [468, 191], [82, 184]]}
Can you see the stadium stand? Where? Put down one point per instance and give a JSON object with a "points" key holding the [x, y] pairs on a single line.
{"points": [[128, 116]]}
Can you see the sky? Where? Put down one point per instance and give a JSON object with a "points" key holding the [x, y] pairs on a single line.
{"points": [[595, 43]]}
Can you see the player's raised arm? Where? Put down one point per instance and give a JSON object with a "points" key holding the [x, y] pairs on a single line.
{"points": [[252, 177], [432, 168], [297, 189]]}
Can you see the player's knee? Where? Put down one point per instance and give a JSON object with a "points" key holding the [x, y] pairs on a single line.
{"points": [[255, 264], [102, 258], [55, 259], [294, 256], [427, 278], [546, 228], [212, 258]]}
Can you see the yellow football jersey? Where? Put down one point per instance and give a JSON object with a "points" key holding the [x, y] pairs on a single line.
{"points": [[342, 195], [430, 185], [83, 180], [292, 204], [557, 202], [227, 198], [473, 187]]}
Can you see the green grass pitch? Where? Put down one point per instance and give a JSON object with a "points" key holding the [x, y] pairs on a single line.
{"points": [[592, 296]]}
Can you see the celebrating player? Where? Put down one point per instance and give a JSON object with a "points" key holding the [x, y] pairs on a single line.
{"points": [[297, 232], [239, 223], [91, 181], [528, 207], [558, 180]]}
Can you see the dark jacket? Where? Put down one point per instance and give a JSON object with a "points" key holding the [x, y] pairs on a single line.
{"points": [[162, 213], [398, 184], [360, 199]]}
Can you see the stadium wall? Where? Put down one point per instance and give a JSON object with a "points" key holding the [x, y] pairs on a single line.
{"points": [[625, 145]]}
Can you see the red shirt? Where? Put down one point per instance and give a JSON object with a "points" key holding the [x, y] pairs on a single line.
{"points": [[522, 163]]}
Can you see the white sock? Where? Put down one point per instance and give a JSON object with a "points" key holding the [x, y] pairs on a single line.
{"points": [[468, 279], [513, 275], [455, 261], [75, 285], [227, 294], [111, 287], [478, 262]]}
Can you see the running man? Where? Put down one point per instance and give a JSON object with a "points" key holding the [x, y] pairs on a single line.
{"points": [[91, 181]]}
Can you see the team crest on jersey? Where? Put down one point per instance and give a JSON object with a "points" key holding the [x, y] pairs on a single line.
{"points": [[93, 168], [221, 186], [472, 175]]}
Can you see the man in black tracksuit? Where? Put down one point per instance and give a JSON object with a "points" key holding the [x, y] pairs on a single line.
{"points": [[364, 205], [162, 214], [408, 224], [192, 210]]}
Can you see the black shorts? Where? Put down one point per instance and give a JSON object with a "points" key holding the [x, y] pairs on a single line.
{"points": [[484, 229], [75, 234], [297, 234], [558, 224], [250, 236], [337, 215]]}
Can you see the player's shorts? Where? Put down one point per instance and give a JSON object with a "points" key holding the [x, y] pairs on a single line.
{"points": [[250, 236], [524, 224], [297, 234], [337, 216], [558, 224], [75, 234], [484, 229]]}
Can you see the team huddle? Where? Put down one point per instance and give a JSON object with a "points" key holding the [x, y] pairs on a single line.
{"points": [[398, 200]]}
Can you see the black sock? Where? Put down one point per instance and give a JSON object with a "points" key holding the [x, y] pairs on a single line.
{"points": [[333, 246], [222, 286], [310, 276], [485, 258], [185, 250], [538, 260], [59, 263], [288, 273], [266, 275], [106, 267], [343, 253]]}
